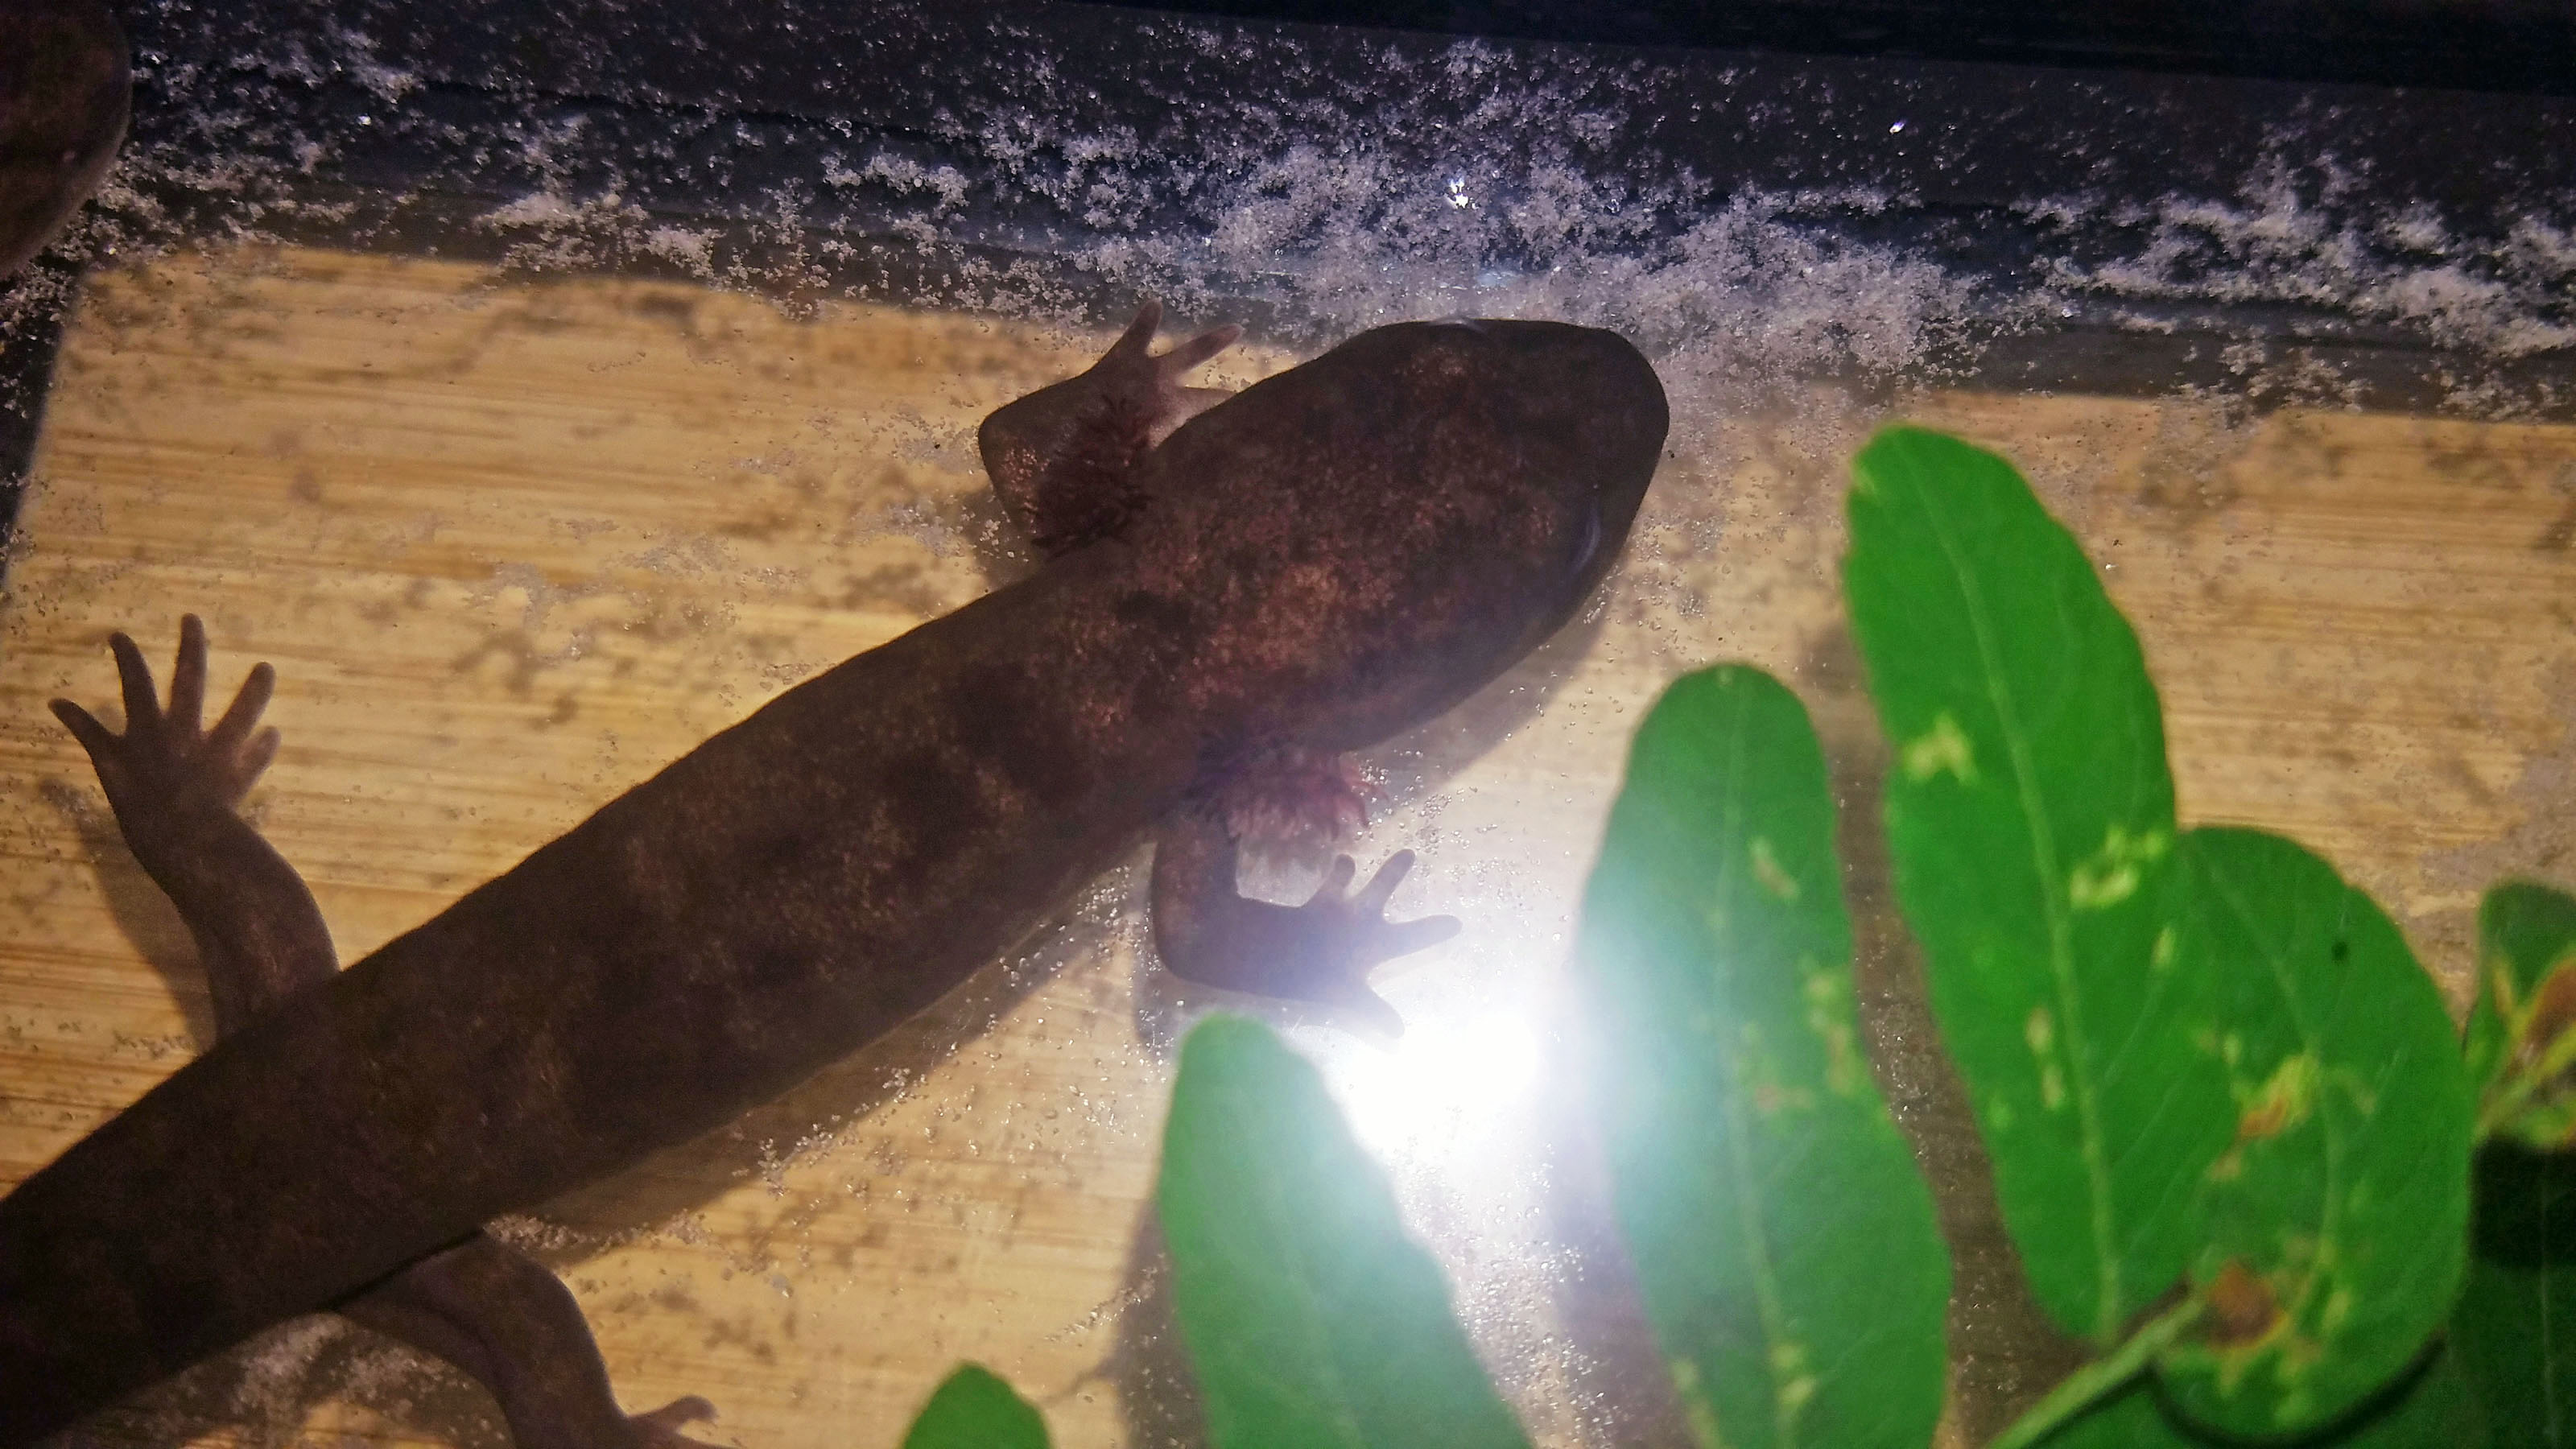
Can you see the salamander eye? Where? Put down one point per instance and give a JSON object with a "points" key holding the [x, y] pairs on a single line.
{"points": [[1589, 543]]}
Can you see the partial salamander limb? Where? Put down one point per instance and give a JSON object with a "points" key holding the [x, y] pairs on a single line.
{"points": [[512, 1325], [1323, 951], [176, 788], [1295, 796], [1062, 458]]}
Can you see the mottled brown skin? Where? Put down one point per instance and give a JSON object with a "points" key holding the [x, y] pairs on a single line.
{"points": [[64, 90], [1332, 556], [175, 786]]}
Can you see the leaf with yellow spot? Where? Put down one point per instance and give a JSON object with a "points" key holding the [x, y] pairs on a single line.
{"points": [[1312, 1318], [2113, 873], [2029, 821], [2282, 1102], [1828, 996], [1766, 869], [1784, 1240], [1942, 749], [2522, 1029], [2332, 1238]]}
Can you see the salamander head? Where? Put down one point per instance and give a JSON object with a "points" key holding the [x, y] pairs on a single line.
{"points": [[1377, 533], [1591, 413]]}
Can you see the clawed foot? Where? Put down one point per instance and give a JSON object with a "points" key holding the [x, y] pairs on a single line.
{"points": [[1352, 937], [1129, 377], [1324, 950], [660, 1428], [1063, 459], [166, 766]]}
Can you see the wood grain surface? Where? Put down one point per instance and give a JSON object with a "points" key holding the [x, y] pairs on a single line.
{"points": [[514, 542]]}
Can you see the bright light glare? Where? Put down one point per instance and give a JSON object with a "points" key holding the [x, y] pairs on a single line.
{"points": [[1456, 1081]]}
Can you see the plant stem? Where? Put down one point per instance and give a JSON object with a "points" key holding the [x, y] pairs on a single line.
{"points": [[2086, 1386]]}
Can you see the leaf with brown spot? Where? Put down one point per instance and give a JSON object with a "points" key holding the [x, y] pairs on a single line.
{"points": [[2333, 1248], [2241, 1306]]}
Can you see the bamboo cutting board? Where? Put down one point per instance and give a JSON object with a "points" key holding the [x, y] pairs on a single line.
{"points": [[515, 543]]}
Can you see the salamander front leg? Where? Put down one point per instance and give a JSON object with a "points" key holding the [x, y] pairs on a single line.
{"points": [[1062, 457], [175, 787], [1322, 951]]}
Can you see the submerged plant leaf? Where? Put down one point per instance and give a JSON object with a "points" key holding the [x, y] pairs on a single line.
{"points": [[1783, 1238], [2522, 1029], [2436, 1409], [2431, 1409], [2333, 1228], [1312, 1318], [2514, 1331], [2129, 1419], [2030, 819], [974, 1409]]}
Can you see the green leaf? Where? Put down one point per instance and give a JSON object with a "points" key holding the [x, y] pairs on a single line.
{"points": [[2521, 1048], [2436, 1410], [2129, 1419], [2514, 1331], [1784, 1240], [2433, 1409], [1312, 1318], [2332, 1230], [2030, 819], [974, 1409]]}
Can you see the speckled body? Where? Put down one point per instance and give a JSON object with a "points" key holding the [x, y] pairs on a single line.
{"points": [[1330, 557]]}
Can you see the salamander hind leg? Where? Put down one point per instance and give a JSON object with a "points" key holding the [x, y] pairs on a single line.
{"points": [[510, 1323], [1063, 458], [176, 788], [1207, 931]]}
